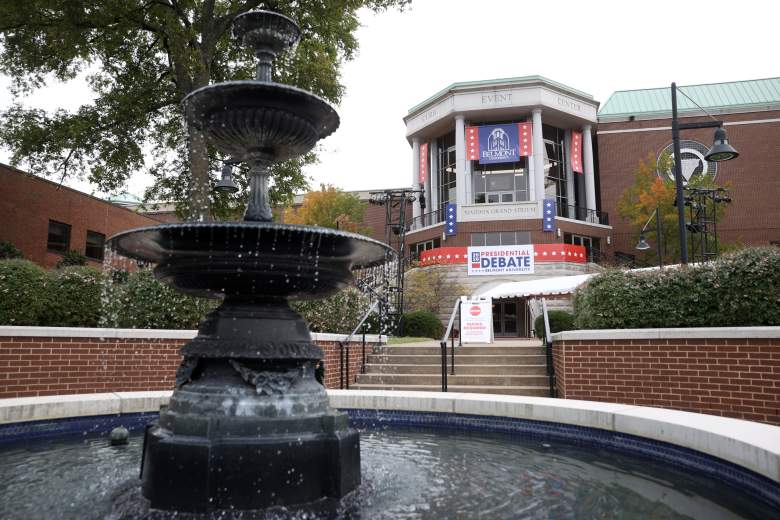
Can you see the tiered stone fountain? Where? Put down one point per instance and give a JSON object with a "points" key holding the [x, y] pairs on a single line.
{"points": [[248, 426]]}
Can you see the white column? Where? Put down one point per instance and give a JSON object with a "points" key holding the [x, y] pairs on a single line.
{"points": [[461, 168], [538, 156], [415, 173], [590, 181], [571, 189], [427, 186]]}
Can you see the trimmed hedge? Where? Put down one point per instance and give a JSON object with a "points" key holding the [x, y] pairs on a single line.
{"points": [[339, 313], [73, 297], [738, 289], [22, 292], [559, 321], [422, 324], [142, 302]]}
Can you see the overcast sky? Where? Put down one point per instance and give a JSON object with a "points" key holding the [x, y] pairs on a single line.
{"points": [[596, 46]]}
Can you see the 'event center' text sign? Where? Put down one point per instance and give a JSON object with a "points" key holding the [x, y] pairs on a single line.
{"points": [[500, 260]]}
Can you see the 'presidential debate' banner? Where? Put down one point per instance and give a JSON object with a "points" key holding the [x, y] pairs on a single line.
{"points": [[490, 144], [500, 260]]}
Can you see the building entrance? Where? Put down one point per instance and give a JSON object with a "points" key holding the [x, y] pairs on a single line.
{"points": [[510, 318]]}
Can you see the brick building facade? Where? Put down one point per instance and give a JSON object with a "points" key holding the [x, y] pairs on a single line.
{"points": [[635, 125], [45, 219]]}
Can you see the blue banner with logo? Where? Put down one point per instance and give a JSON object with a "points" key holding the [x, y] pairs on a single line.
{"points": [[498, 144], [548, 215], [451, 219]]}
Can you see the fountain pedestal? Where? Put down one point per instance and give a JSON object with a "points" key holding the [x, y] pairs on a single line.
{"points": [[249, 426]]}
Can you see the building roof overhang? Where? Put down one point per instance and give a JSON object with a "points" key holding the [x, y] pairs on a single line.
{"points": [[497, 100]]}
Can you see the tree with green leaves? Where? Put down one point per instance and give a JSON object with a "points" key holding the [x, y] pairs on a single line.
{"points": [[140, 59], [652, 190]]}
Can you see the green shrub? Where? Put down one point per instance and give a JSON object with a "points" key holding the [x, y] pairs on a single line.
{"points": [[339, 313], [22, 292], [738, 289], [559, 321], [424, 324], [9, 251], [73, 297], [145, 303], [71, 258]]}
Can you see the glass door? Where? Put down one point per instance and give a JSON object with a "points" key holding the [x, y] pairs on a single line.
{"points": [[505, 318]]}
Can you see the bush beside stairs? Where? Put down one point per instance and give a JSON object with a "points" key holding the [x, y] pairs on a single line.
{"points": [[514, 367]]}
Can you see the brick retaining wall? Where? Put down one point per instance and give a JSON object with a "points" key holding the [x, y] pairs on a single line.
{"points": [[37, 366], [729, 376]]}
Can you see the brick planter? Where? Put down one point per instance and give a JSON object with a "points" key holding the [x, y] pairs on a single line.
{"points": [[732, 372], [39, 361]]}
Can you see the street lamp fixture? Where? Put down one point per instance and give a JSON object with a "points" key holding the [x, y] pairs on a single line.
{"points": [[721, 151], [643, 245]]}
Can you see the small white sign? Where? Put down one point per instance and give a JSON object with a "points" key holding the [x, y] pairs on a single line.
{"points": [[500, 260], [477, 316]]}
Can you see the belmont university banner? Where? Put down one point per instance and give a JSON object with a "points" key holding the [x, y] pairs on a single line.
{"points": [[491, 144]]}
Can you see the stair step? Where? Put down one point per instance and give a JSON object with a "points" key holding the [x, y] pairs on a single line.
{"points": [[456, 380], [465, 350], [460, 368], [521, 359], [537, 391]]}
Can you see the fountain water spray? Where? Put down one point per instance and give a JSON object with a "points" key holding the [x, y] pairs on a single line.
{"points": [[248, 426]]}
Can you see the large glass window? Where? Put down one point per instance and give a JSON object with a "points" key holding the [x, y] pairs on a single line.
{"points": [[95, 243], [446, 173], [59, 237], [495, 183], [555, 167], [501, 238]]}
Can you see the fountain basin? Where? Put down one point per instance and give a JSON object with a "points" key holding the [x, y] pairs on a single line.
{"points": [[738, 456], [259, 120], [211, 259]]}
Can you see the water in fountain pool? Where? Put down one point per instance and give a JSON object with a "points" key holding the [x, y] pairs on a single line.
{"points": [[407, 474]]}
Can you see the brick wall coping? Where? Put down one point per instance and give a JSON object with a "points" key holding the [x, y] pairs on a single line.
{"points": [[752, 445], [84, 332], [689, 333]]}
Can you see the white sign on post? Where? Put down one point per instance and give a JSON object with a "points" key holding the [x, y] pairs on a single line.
{"points": [[500, 260], [477, 316]]}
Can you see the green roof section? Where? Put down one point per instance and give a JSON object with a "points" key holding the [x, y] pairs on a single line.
{"points": [[501, 81], [711, 96]]}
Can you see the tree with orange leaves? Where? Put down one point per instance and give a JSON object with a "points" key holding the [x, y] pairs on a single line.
{"points": [[329, 207], [652, 190]]}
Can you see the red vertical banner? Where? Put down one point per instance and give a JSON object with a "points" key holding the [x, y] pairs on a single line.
{"points": [[576, 151], [472, 143], [525, 135], [423, 162]]}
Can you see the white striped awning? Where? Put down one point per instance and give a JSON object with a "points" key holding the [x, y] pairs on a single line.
{"points": [[543, 287]]}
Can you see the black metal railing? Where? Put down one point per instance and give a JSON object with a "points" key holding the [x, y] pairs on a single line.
{"points": [[549, 351], [344, 349], [449, 333], [584, 214], [426, 219]]}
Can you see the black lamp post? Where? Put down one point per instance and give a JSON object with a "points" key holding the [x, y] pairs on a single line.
{"points": [[643, 245], [721, 151]]}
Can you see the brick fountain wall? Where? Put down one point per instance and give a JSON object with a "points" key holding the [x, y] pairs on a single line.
{"points": [[49, 361], [732, 372]]}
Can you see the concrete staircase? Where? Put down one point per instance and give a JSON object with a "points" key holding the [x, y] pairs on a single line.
{"points": [[516, 367]]}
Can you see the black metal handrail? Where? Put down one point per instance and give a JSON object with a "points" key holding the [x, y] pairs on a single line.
{"points": [[448, 334], [549, 351], [426, 219], [584, 214], [344, 349]]}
